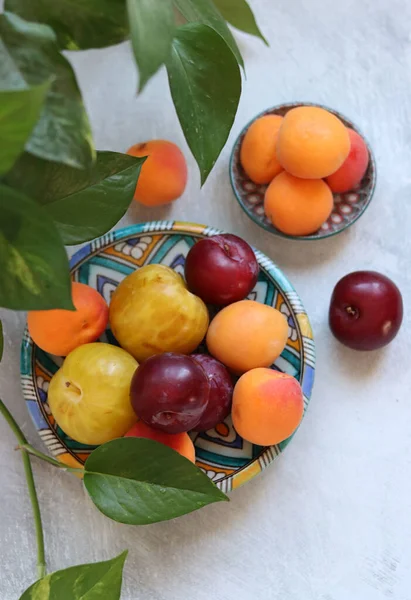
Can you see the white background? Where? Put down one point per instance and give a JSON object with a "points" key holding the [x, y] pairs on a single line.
{"points": [[331, 519]]}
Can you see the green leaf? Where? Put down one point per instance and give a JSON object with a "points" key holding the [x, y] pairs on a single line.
{"points": [[83, 204], [205, 12], [94, 581], [205, 83], [239, 14], [1, 341], [33, 262], [79, 24], [28, 56], [19, 112], [138, 481], [152, 31]]}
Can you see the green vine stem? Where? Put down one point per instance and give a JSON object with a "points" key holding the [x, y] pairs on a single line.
{"points": [[41, 559], [27, 448]]}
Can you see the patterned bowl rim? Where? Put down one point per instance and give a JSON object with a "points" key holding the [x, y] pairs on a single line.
{"points": [[270, 228], [269, 453]]}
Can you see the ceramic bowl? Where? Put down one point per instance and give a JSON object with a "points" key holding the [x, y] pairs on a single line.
{"points": [[227, 459], [348, 207]]}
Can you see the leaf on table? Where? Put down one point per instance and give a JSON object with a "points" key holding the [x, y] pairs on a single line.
{"points": [[83, 204], [205, 83], [239, 14], [1, 341], [28, 56], [94, 581], [152, 31], [205, 12], [139, 481], [33, 262], [19, 112], [78, 24]]}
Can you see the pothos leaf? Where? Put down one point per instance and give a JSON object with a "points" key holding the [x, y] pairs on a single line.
{"points": [[1, 341], [19, 112], [83, 204], [205, 12], [239, 14], [79, 24], [33, 261], [139, 481], [28, 56], [94, 581], [205, 83], [152, 31]]}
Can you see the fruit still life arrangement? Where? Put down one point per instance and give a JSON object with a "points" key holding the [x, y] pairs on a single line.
{"points": [[166, 364], [302, 171], [186, 353]]}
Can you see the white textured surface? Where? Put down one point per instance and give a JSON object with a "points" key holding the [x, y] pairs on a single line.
{"points": [[331, 519]]}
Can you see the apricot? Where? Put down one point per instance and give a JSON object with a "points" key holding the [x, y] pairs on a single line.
{"points": [[351, 172], [180, 442], [246, 335], [267, 406], [60, 331], [163, 176], [297, 206], [258, 151], [312, 143]]}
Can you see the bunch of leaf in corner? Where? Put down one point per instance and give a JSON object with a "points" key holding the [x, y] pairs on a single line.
{"points": [[202, 59], [94, 581], [138, 481]]}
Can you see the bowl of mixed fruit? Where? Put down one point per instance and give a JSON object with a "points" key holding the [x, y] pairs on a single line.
{"points": [[302, 171], [181, 334]]}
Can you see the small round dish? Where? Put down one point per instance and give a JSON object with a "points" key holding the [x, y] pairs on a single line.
{"points": [[348, 207], [227, 459]]}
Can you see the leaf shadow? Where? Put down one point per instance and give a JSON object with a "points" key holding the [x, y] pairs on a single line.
{"points": [[300, 255], [138, 213]]}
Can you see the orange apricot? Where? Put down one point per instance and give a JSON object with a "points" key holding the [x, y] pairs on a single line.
{"points": [[297, 206], [180, 442], [351, 172], [246, 335], [258, 151], [163, 176], [60, 331], [312, 142], [267, 406]]}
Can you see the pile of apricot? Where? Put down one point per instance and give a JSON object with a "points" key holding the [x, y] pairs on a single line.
{"points": [[305, 157], [158, 384]]}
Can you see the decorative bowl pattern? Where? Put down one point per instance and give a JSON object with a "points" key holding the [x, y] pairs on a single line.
{"points": [[348, 207], [228, 459]]}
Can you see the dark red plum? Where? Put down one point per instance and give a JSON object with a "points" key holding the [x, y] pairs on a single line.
{"points": [[366, 310], [170, 392], [221, 392], [221, 269]]}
